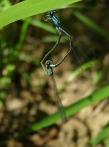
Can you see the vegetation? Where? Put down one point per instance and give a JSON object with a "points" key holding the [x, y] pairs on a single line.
{"points": [[26, 93]]}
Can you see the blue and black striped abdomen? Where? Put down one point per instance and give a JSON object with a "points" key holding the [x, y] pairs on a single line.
{"points": [[55, 20]]}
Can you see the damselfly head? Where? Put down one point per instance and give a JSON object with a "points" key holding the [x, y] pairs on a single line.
{"points": [[47, 64], [49, 15], [49, 69]]}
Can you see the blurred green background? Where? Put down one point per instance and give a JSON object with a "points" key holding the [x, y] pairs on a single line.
{"points": [[26, 93]]}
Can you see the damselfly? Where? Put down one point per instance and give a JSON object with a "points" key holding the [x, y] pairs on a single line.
{"points": [[72, 47], [48, 65], [56, 22], [49, 70]]}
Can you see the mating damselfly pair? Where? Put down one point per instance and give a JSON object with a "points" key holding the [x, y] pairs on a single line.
{"points": [[47, 62]]}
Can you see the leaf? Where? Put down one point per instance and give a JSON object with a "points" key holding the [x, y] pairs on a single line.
{"points": [[29, 8]]}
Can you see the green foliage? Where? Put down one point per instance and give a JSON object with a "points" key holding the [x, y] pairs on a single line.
{"points": [[4, 4], [95, 97], [42, 25], [23, 32], [29, 8], [103, 134], [91, 24], [81, 69]]}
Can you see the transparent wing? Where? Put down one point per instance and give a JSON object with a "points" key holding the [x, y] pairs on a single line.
{"points": [[80, 55]]}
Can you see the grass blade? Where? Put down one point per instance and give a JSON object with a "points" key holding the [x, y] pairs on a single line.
{"points": [[97, 96], [91, 24], [29, 8], [101, 136]]}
